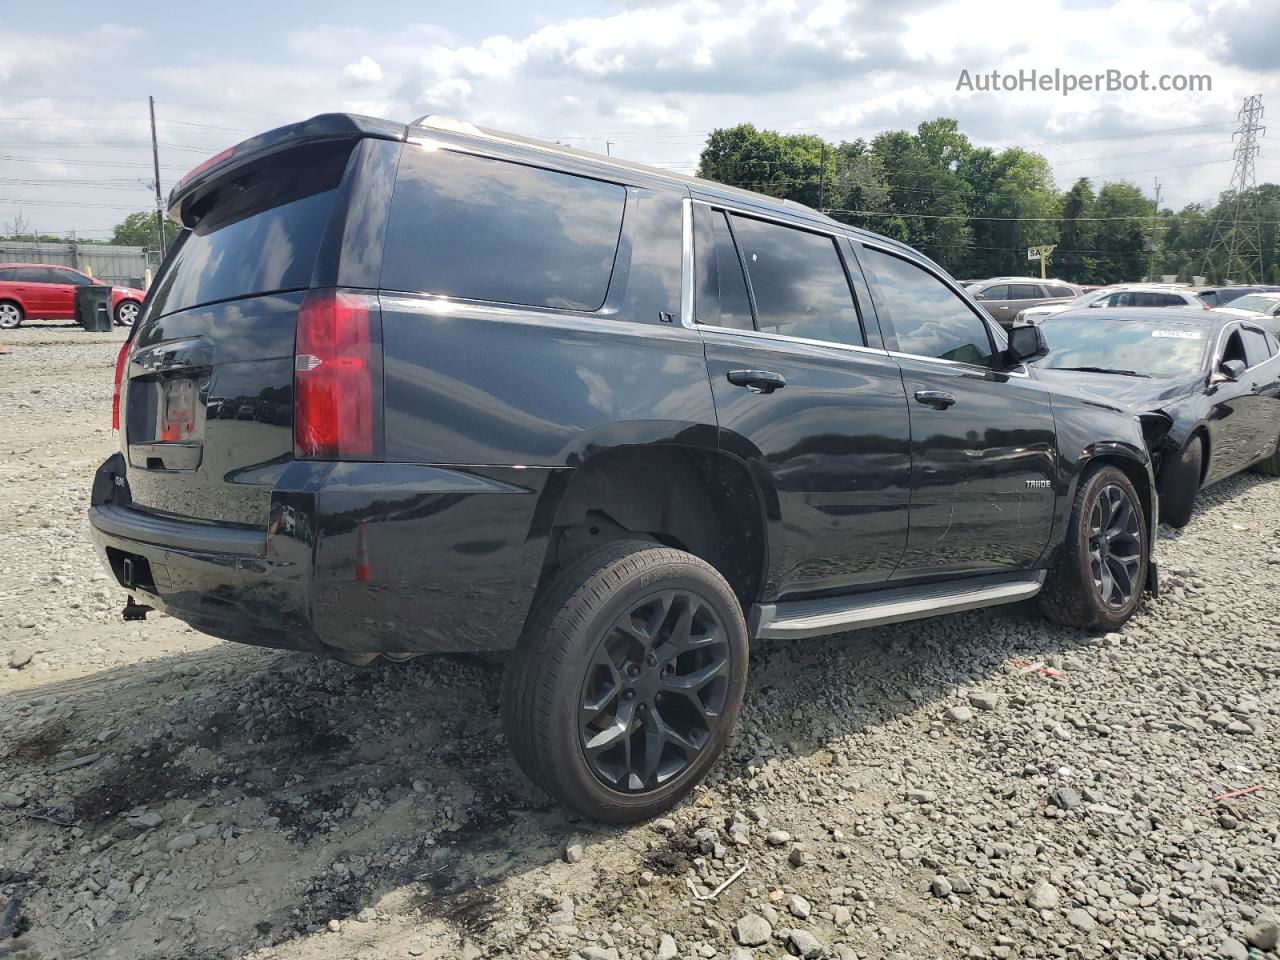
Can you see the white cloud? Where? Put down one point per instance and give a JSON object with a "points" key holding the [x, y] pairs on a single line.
{"points": [[653, 78], [364, 70]]}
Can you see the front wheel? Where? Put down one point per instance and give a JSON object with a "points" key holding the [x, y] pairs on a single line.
{"points": [[127, 313], [628, 680], [1101, 571], [10, 315]]}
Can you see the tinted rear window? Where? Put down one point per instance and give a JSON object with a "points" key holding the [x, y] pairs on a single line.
{"points": [[258, 233], [484, 229]]}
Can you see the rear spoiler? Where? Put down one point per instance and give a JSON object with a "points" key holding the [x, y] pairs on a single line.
{"points": [[322, 128]]}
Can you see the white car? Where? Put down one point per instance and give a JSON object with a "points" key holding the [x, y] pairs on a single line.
{"points": [[1262, 308], [1119, 295]]}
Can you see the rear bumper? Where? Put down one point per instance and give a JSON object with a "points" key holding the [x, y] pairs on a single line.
{"points": [[357, 558]]}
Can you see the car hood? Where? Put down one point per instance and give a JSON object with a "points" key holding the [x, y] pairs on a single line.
{"points": [[1135, 393]]}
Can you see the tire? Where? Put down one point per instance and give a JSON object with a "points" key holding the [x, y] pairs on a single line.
{"points": [[1072, 594], [11, 315], [127, 313], [576, 655], [1270, 465], [1179, 483]]}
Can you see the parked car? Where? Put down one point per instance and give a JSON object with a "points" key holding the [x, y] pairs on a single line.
{"points": [[1119, 295], [1262, 308], [1206, 385], [44, 292], [1003, 298], [1221, 296], [613, 420]]}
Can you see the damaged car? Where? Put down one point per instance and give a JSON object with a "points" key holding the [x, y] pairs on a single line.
{"points": [[1205, 385]]}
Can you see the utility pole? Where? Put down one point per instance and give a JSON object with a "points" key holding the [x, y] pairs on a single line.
{"points": [[822, 177], [608, 148], [1155, 227], [1237, 229], [155, 161]]}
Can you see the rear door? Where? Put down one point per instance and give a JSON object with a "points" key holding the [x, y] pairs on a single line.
{"points": [[1264, 382], [207, 409], [37, 288], [983, 444], [1021, 296], [806, 397]]}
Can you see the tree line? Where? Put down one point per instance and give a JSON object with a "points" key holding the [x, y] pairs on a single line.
{"points": [[976, 210]]}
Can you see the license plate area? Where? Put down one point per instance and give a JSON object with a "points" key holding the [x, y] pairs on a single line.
{"points": [[166, 421]]}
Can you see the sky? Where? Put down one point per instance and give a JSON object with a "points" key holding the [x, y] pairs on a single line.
{"points": [[646, 81]]}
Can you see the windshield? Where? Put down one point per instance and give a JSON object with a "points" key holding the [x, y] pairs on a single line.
{"points": [[1255, 302], [1150, 348], [1086, 298]]}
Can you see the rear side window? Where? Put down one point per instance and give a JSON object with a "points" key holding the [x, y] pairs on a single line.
{"points": [[928, 318], [1255, 346], [798, 281], [1024, 291], [1056, 290], [34, 275], [259, 232], [484, 229], [8, 274], [70, 276], [729, 282]]}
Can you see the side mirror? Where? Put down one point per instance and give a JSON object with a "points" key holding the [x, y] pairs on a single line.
{"points": [[1232, 369], [1097, 303], [1025, 343], [979, 296]]}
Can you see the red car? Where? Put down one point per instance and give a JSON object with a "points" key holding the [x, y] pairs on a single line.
{"points": [[45, 292]]}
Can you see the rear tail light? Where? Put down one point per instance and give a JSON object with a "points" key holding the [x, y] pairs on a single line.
{"points": [[336, 367], [121, 359]]}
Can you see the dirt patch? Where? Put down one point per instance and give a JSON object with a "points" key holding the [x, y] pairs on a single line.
{"points": [[42, 745], [144, 779]]}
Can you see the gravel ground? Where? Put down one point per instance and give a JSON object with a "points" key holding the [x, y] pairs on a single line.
{"points": [[982, 785]]}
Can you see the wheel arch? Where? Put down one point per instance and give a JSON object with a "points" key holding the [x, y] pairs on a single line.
{"points": [[1134, 465], [700, 500]]}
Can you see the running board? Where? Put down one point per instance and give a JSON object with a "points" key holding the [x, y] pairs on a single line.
{"points": [[798, 619]]}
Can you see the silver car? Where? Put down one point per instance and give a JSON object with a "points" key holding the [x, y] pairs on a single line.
{"points": [[1120, 295], [1005, 297]]}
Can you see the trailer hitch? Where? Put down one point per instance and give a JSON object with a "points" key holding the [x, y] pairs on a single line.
{"points": [[135, 611]]}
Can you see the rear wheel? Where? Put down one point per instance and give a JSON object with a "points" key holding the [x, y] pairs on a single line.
{"points": [[10, 315], [627, 682], [1271, 465], [1179, 483], [127, 313], [1101, 571]]}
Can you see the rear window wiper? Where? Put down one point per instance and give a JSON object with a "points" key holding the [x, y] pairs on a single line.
{"points": [[1123, 373]]}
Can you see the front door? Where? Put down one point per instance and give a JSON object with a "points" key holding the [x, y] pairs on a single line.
{"points": [[812, 405], [983, 444]]}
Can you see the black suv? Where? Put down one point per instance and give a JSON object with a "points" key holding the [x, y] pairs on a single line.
{"points": [[399, 390]]}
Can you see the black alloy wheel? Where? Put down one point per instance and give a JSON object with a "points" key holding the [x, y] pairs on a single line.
{"points": [[655, 691], [1115, 546], [627, 681], [1098, 576]]}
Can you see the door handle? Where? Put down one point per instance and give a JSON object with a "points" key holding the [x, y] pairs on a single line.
{"points": [[757, 381], [937, 399]]}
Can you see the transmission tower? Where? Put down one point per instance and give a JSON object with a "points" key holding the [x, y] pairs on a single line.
{"points": [[1237, 231]]}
